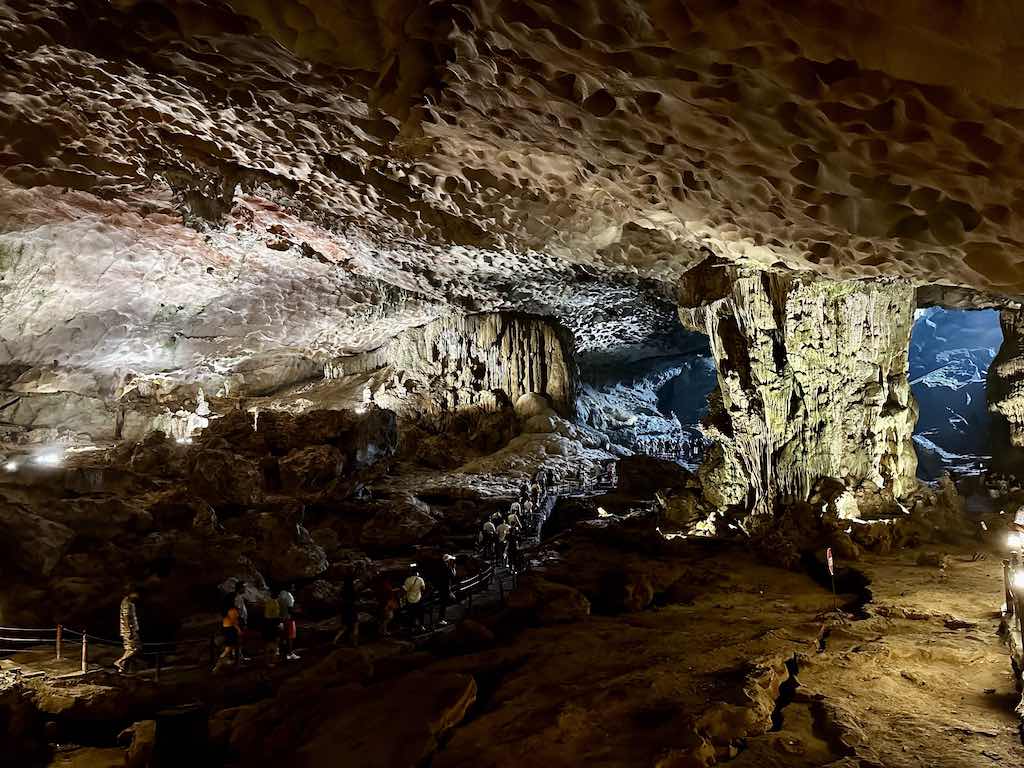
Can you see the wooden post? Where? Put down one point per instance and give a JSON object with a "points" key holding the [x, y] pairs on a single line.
{"points": [[85, 651], [60, 638]]}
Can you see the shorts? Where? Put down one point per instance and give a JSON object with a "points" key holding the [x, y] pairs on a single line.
{"points": [[271, 631], [289, 630], [231, 637]]}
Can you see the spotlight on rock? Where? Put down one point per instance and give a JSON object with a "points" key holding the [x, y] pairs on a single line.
{"points": [[11, 466], [49, 459], [1014, 540], [1017, 580]]}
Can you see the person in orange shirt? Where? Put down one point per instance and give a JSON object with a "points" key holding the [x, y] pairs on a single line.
{"points": [[231, 629]]}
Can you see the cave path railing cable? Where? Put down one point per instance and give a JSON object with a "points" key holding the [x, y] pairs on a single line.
{"points": [[23, 639]]}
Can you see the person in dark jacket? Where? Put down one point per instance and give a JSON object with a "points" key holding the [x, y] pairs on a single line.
{"points": [[349, 612]]}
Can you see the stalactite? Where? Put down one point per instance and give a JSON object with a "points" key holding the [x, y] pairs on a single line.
{"points": [[463, 362]]}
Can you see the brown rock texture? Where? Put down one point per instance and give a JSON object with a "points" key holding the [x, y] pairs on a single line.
{"points": [[812, 383]]}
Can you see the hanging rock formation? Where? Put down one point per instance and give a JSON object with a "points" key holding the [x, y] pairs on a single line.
{"points": [[459, 363], [812, 382]]}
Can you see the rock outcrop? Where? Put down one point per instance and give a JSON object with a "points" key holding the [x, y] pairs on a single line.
{"points": [[459, 363], [1005, 390], [812, 382]]}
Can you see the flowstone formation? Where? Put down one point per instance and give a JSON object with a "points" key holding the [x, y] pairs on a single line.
{"points": [[460, 363], [812, 381]]}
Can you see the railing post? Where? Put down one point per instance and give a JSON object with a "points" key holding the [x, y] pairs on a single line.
{"points": [[60, 638], [85, 651], [1008, 596]]}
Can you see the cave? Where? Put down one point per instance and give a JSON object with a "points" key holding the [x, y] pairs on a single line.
{"points": [[950, 354], [476, 384]]}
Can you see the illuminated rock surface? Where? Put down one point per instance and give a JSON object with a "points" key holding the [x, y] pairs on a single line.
{"points": [[288, 288]]}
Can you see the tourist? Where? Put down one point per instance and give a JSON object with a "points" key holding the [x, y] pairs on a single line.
{"points": [[230, 630], [528, 510], [535, 492], [446, 585], [514, 522], [131, 638], [488, 539], [286, 649], [272, 627], [413, 589], [386, 605], [503, 531], [514, 553], [243, 617], [349, 613]]}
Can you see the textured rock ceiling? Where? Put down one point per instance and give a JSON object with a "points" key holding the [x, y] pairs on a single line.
{"points": [[189, 186]]}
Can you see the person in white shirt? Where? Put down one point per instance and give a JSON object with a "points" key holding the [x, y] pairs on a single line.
{"points": [[413, 588], [514, 522], [286, 602]]}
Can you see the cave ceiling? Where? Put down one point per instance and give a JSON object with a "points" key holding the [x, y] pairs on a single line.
{"points": [[188, 187]]}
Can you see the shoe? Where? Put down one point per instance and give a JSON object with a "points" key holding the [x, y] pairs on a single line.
{"points": [[119, 668], [293, 656], [442, 623]]}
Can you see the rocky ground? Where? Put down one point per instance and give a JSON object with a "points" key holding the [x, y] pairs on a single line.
{"points": [[623, 648]]}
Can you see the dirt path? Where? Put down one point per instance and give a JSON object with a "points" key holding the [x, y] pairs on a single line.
{"points": [[923, 681]]}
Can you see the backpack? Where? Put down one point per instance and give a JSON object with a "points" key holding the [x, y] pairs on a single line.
{"points": [[271, 609]]}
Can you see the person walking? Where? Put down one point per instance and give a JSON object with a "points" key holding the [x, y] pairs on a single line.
{"points": [[414, 588], [348, 611], [503, 531], [272, 628], [514, 553], [386, 605], [446, 585], [489, 537], [243, 617], [230, 626], [286, 600], [514, 522], [131, 637]]}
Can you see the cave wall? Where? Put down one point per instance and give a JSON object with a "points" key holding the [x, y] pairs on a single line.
{"points": [[1005, 391], [472, 362], [812, 380]]}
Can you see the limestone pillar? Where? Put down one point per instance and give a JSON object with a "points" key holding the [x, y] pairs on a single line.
{"points": [[1005, 390], [813, 383]]}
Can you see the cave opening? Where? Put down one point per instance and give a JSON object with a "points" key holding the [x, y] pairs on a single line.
{"points": [[950, 354], [651, 400]]}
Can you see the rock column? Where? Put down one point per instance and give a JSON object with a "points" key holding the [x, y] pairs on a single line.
{"points": [[812, 381], [1005, 390]]}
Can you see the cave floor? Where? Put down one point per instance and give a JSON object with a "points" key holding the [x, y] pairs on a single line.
{"points": [[920, 679]]}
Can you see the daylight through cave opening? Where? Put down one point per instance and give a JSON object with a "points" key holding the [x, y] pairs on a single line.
{"points": [[950, 354]]}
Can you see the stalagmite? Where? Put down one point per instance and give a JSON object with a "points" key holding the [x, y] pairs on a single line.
{"points": [[812, 382]]}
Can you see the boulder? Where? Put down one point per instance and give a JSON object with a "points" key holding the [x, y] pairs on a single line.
{"points": [[398, 522], [397, 723], [547, 602], [533, 404], [222, 477], [22, 729], [313, 468], [29, 542], [140, 737]]}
